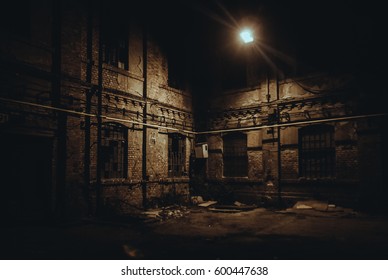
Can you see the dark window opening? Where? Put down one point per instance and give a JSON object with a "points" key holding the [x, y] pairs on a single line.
{"points": [[115, 42], [176, 71], [235, 155], [317, 152], [176, 155], [114, 151]]}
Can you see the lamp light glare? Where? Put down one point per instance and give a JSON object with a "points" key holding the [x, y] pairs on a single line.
{"points": [[247, 36]]}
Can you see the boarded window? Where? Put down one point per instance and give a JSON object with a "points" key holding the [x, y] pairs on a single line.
{"points": [[235, 155], [317, 151], [114, 151], [176, 155]]}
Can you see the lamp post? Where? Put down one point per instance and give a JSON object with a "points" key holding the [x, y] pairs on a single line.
{"points": [[247, 36]]}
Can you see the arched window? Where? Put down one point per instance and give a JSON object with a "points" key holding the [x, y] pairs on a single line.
{"points": [[114, 151], [316, 151], [235, 155]]}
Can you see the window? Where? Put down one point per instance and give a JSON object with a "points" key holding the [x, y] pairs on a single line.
{"points": [[114, 151], [176, 155], [235, 155], [316, 151], [176, 70], [115, 42]]}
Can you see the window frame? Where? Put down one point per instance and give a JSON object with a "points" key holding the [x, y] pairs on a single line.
{"points": [[235, 155], [176, 158], [115, 44], [114, 151], [317, 157]]}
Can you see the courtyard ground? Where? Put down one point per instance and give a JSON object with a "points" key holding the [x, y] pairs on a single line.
{"points": [[309, 230]]}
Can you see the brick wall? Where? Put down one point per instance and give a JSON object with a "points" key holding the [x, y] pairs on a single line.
{"points": [[169, 110], [300, 100]]}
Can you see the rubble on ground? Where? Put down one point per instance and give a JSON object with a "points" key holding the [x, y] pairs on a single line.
{"points": [[195, 200], [165, 213], [208, 203], [313, 204]]}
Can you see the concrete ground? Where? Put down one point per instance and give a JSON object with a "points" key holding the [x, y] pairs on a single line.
{"points": [[309, 230]]}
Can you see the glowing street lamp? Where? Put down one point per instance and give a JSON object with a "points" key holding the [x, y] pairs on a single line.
{"points": [[246, 36]]}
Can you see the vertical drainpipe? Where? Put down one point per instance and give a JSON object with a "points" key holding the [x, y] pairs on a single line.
{"points": [[99, 114], [268, 93], [89, 93], [278, 142], [144, 138], [61, 134]]}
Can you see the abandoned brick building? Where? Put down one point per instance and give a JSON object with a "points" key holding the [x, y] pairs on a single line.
{"points": [[98, 115]]}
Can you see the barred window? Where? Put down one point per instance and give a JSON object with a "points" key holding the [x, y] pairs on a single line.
{"points": [[176, 155], [317, 151], [114, 151], [235, 155]]}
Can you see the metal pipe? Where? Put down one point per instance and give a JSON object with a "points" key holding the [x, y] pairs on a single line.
{"points": [[61, 133], [89, 93], [93, 115], [198, 132], [290, 124], [46, 107], [99, 115], [279, 155], [144, 138]]}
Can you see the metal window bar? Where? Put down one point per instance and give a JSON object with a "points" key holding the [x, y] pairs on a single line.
{"points": [[176, 155], [317, 152], [114, 151], [235, 155]]}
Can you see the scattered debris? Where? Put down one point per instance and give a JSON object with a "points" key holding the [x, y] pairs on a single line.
{"points": [[270, 184], [236, 207], [224, 210], [171, 212], [152, 213], [237, 203], [196, 200], [311, 204], [207, 203], [303, 206], [319, 206]]}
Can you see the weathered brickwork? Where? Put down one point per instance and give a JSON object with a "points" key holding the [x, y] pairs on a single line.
{"points": [[292, 104], [61, 89], [126, 96]]}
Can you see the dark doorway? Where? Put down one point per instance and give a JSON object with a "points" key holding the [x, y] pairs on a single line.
{"points": [[25, 170]]}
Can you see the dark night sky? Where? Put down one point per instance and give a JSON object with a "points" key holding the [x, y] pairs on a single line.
{"points": [[333, 36], [322, 35]]}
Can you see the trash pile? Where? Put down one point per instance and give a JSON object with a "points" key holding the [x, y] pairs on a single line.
{"points": [[165, 213], [214, 206], [315, 205]]}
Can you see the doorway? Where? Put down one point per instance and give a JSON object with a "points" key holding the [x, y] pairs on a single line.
{"points": [[26, 176]]}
